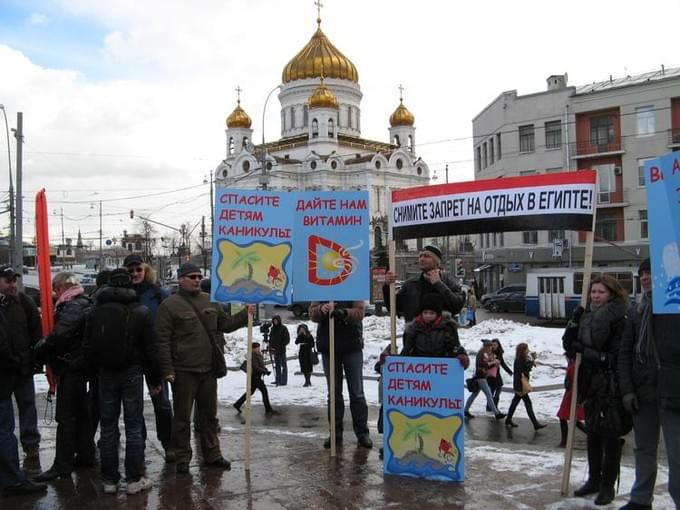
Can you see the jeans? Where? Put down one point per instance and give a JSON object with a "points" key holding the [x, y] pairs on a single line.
{"points": [[256, 384], [484, 387], [352, 363], [125, 387], [529, 407], [10, 474], [24, 394], [281, 367], [647, 424]]}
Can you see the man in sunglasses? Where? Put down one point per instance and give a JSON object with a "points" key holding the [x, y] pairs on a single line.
{"points": [[187, 325], [151, 295]]}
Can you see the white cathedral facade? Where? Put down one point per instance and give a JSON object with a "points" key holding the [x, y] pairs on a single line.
{"points": [[321, 147]]}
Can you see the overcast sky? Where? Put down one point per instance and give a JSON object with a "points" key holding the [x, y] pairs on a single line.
{"points": [[125, 98]]}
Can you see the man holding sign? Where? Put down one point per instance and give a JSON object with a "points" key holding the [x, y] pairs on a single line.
{"points": [[349, 344]]}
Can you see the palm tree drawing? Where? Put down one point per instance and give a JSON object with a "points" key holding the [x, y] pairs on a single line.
{"points": [[416, 430], [246, 259]]}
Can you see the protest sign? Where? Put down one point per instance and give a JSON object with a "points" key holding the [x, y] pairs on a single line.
{"points": [[331, 260], [536, 202], [662, 180], [252, 246], [423, 417]]}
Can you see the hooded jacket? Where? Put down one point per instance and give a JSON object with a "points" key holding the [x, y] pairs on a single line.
{"points": [[66, 339], [439, 339], [279, 336], [649, 356]]}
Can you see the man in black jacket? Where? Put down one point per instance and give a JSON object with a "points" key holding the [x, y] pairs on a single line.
{"points": [[120, 343], [13, 481], [431, 280], [63, 350], [23, 323], [649, 370], [279, 338]]}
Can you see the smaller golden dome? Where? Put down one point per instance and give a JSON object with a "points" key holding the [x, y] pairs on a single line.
{"points": [[238, 118], [401, 116], [323, 97]]}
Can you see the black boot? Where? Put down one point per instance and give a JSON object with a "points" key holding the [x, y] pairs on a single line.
{"points": [[564, 430], [592, 486], [610, 471], [530, 411]]}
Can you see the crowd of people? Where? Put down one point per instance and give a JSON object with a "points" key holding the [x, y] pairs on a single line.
{"points": [[627, 378]]}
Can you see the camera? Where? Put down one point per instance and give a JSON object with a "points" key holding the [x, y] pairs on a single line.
{"points": [[265, 328]]}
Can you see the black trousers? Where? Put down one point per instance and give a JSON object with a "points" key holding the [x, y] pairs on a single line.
{"points": [[604, 457], [257, 384]]}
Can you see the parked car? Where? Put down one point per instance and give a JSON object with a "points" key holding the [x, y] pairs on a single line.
{"points": [[503, 290], [507, 302]]}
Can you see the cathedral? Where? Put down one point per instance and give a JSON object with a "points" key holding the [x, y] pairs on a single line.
{"points": [[321, 147]]}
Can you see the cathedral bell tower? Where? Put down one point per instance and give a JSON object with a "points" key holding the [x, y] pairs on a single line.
{"points": [[239, 134], [402, 132]]}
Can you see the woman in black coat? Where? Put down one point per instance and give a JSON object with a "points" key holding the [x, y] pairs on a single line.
{"points": [[306, 342], [524, 362], [599, 329], [496, 383]]}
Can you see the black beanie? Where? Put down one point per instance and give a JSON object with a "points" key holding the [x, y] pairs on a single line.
{"points": [[431, 302], [645, 265]]}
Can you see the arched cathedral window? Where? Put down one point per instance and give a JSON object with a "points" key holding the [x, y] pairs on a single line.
{"points": [[315, 128], [396, 141], [410, 143], [292, 117], [331, 130], [231, 145], [305, 116]]}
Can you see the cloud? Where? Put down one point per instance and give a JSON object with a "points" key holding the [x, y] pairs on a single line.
{"points": [[37, 18]]}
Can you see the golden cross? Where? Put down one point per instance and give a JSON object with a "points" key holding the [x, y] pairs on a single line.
{"points": [[401, 93], [238, 90], [319, 5]]}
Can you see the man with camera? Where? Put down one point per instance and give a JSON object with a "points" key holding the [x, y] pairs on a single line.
{"points": [[24, 327], [279, 338], [349, 357]]}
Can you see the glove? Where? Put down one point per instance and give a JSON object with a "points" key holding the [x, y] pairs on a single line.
{"points": [[577, 347], [464, 360], [339, 313], [42, 351], [630, 403], [593, 355]]}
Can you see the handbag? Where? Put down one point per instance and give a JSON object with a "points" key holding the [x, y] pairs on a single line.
{"points": [[244, 366], [526, 386], [219, 364], [314, 357], [472, 384]]}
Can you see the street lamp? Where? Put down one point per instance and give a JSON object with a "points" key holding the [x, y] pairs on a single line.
{"points": [[11, 191], [264, 178], [448, 246]]}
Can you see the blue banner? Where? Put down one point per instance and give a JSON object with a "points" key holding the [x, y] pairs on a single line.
{"points": [[662, 179], [423, 418], [331, 259], [252, 246]]}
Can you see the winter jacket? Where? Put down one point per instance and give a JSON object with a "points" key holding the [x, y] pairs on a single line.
{"points": [[413, 290], [439, 339], [599, 332], [183, 344], [66, 339], [9, 362], [649, 356], [348, 331], [151, 296], [24, 328], [497, 381], [140, 332], [306, 343], [259, 368], [278, 336], [483, 361], [521, 367]]}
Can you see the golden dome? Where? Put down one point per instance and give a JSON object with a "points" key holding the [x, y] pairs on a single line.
{"points": [[323, 97], [319, 57], [401, 116], [238, 118]]}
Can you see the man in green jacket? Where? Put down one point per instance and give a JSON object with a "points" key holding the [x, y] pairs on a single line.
{"points": [[185, 357]]}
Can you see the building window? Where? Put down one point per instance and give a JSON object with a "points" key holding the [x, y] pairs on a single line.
{"points": [[484, 156], [488, 240], [244, 142], [498, 146], [231, 145], [334, 165], [315, 128], [606, 181], [495, 240], [602, 130], [377, 165], [246, 166], [350, 113], [555, 234], [478, 159], [491, 151], [410, 143], [501, 239], [605, 225], [400, 164], [528, 172], [642, 216], [530, 237], [553, 170], [644, 117], [305, 116], [641, 171], [526, 138], [331, 130], [553, 134], [292, 117], [396, 141]]}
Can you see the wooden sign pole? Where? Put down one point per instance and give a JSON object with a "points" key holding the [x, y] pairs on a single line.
{"points": [[249, 383]]}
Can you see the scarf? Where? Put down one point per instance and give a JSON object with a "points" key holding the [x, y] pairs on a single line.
{"points": [[644, 343], [70, 294]]}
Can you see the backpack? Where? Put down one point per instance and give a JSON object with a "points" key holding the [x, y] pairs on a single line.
{"points": [[110, 338]]}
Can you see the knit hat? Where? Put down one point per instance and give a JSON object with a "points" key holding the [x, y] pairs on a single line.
{"points": [[120, 278], [431, 302], [187, 268], [7, 271], [645, 265], [434, 251]]}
